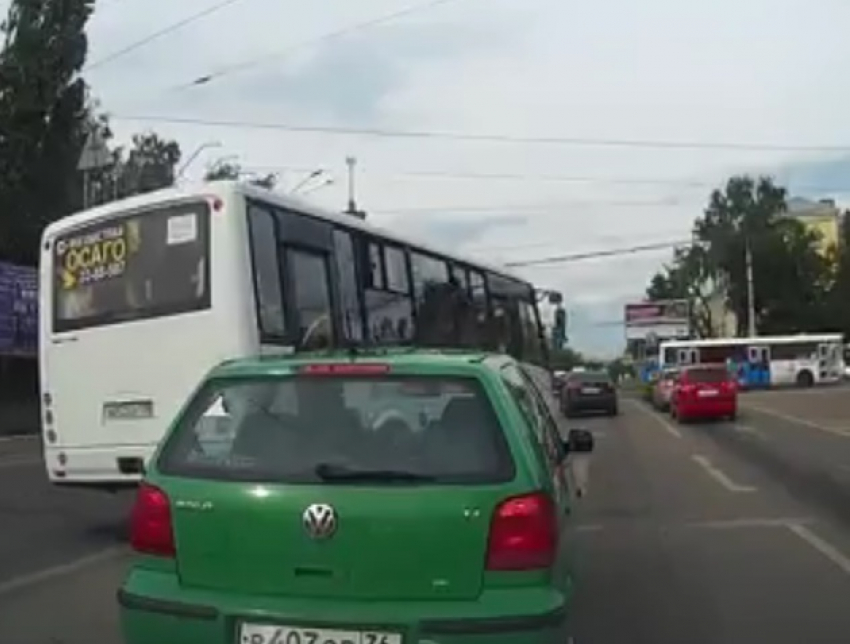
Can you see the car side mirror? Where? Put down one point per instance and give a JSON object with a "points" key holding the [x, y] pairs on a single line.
{"points": [[578, 441]]}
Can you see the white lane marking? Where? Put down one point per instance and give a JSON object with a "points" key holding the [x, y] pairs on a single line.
{"points": [[719, 476], [824, 547], [721, 524], [673, 431], [6, 464], [12, 439], [796, 419], [61, 570]]}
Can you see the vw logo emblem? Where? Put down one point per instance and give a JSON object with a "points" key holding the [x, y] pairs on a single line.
{"points": [[319, 520]]}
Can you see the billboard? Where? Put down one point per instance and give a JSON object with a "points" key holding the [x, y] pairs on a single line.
{"points": [[18, 310], [657, 321]]}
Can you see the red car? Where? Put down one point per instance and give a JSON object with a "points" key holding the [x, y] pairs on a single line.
{"points": [[704, 392]]}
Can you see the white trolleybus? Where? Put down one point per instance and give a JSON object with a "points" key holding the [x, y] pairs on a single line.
{"points": [[803, 360], [141, 297]]}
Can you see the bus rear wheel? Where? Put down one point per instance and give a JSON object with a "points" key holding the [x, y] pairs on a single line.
{"points": [[805, 379]]}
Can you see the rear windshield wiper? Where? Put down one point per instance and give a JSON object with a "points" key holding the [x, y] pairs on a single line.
{"points": [[331, 472]]}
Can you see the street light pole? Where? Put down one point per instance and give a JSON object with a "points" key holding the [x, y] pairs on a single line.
{"points": [[751, 297]]}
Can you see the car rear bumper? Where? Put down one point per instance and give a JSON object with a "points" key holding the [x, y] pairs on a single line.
{"points": [[602, 402], [113, 466], [713, 409], [154, 609]]}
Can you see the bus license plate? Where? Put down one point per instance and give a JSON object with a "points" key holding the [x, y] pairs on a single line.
{"points": [[265, 634], [130, 410]]}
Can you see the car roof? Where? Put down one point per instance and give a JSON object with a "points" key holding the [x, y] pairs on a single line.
{"points": [[410, 360]]}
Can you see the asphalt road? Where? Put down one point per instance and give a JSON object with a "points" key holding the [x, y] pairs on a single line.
{"points": [[706, 533]]}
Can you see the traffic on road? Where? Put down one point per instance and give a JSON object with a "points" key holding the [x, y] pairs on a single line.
{"points": [[706, 532]]}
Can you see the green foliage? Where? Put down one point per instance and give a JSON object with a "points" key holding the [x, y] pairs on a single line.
{"points": [[149, 164], [228, 170], [565, 359], [838, 305], [43, 116], [793, 281]]}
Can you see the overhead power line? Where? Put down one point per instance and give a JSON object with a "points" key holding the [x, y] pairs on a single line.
{"points": [[138, 44], [478, 137], [575, 257], [517, 209], [338, 33], [544, 177]]}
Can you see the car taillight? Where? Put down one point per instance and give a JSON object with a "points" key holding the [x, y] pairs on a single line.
{"points": [[688, 390], [523, 533], [151, 529]]}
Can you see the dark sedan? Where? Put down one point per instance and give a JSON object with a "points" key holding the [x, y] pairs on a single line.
{"points": [[589, 391]]}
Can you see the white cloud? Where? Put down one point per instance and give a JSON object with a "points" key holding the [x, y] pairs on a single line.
{"points": [[754, 71]]}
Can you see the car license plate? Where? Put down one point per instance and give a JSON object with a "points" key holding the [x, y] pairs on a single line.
{"points": [[590, 390], [266, 634], [707, 393]]}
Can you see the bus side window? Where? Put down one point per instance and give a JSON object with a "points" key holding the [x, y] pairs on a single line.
{"points": [[311, 290], [389, 306], [346, 268], [478, 294], [267, 283]]}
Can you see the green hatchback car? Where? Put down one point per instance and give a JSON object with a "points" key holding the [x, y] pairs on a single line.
{"points": [[386, 498]]}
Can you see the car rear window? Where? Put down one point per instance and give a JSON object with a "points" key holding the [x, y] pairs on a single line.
{"points": [[303, 429], [712, 374], [590, 377]]}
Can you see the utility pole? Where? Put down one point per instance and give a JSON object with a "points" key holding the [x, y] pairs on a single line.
{"points": [[352, 210], [95, 155], [751, 297]]}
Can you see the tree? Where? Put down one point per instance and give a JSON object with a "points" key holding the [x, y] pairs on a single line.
{"points": [[690, 276], [565, 359], [791, 277], [839, 296], [43, 116], [230, 171], [149, 164]]}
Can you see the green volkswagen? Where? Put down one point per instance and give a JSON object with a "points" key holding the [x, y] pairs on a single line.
{"points": [[377, 498]]}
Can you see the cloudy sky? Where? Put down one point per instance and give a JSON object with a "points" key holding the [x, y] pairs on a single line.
{"points": [[762, 73]]}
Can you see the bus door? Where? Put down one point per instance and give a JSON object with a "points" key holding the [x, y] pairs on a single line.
{"points": [[828, 361], [305, 247], [759, 366]]}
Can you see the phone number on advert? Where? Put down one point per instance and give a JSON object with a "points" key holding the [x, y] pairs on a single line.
{"points": [[99, 273]]}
